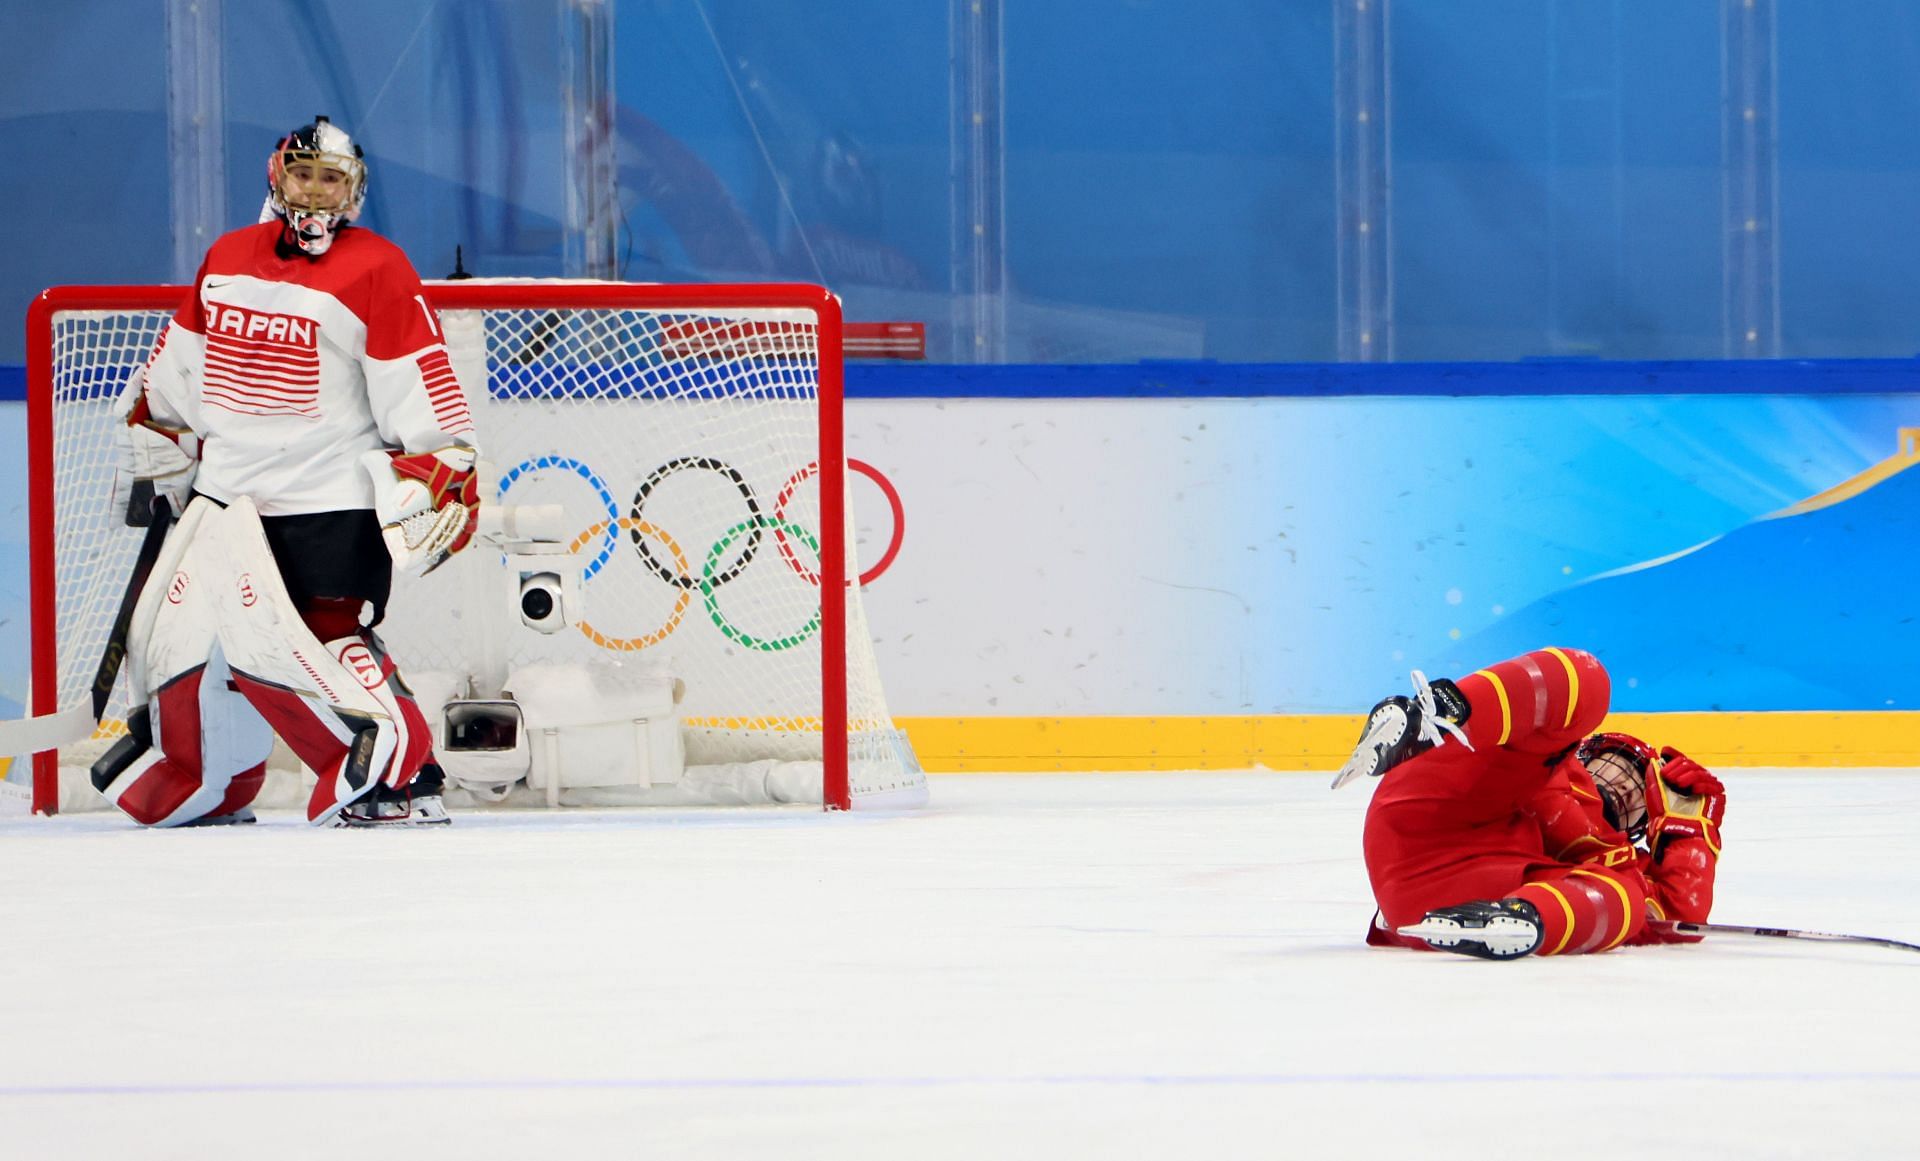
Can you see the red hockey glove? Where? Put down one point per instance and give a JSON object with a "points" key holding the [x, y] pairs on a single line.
{"points": [[1684, 800]]}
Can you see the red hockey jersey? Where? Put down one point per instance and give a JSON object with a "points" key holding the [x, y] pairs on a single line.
{"points": [[289, 368], [1456, 824]]}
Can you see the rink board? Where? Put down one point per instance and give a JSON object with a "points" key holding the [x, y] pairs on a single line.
{"points": [[1322, 741]]}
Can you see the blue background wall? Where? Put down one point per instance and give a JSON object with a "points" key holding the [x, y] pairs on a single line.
{"points": [[1169, 165]]}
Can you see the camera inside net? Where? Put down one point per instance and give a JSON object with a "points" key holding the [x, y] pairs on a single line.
{"points": [[543, 604], [546, 591], [544, 576]]}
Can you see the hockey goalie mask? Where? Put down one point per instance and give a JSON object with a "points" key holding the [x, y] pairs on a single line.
{"points": [[316, 182], [1620, 764]]}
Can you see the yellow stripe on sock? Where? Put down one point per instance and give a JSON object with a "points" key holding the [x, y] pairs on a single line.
{"points": [[1506, 711], [1566, 909], [1573, 684], [1626, 905]]}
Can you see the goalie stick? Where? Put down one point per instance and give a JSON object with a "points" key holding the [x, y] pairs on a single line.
{"points": [[1676, 927], [159, 512], [49, 732]]}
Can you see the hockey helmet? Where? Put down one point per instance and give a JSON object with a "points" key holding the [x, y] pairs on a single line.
{"points": [[316, 183], [1620, 765]]}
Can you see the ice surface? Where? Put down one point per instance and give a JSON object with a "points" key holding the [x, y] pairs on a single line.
{"points": [[1044, 966]]}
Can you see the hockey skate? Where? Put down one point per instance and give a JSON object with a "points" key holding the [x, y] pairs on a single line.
{"points": [[1499, 929], [416, 804], [1400, 727]]}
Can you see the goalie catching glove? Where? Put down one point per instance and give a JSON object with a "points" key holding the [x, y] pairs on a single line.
{"points": [[428, 504]]}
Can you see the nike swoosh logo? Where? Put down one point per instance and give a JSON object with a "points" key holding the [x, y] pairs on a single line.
{"points": [[212, 285]]}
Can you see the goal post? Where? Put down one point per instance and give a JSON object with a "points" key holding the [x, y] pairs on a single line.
{"points": [[688, 440]]}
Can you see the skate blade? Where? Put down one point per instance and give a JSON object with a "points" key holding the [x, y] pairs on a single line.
{"points": [[342, 822], [1349, 772], [1501, 936], [1372, 750], [420, 814]]}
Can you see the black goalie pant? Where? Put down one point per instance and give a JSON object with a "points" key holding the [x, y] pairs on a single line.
{"points": [[331, 557]]}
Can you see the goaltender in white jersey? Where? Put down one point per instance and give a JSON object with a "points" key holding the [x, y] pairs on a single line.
{"points": [[289, 370], [301, 412]]}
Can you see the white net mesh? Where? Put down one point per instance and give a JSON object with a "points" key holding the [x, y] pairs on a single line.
{"points": [[682, 447]]}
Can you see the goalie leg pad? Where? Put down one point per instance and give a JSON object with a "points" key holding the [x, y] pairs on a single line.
{"points": [[319, 706], [235, 741], [345, 748], [174, 588], [415, 747], [213, 747], [211, 760], [363, 655], [148, 784]]}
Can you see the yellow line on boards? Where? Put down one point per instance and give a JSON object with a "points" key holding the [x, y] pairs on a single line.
{"points": [[1908, 455], [1322, 741]]}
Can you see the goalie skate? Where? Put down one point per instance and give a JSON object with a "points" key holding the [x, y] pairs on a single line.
{"points": [[1500, 929], [416, 804]]}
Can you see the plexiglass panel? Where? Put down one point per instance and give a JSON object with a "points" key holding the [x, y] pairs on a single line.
{"points": [[1083, 181]]}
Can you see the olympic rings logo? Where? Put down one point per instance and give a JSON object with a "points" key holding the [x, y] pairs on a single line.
{"points": [[754, 522], [886, 489], [629, 644], [716, 569], [542, 463]]}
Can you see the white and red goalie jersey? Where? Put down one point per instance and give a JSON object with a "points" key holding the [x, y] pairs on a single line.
{"points": [[288, 369]]}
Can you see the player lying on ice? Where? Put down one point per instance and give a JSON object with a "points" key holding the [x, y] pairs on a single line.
{"points": [[1503, 826], [302, 387]]}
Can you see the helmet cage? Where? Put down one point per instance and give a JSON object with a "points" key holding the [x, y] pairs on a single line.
{"points": [[314, 210], [1620, 765], [305, 198]]}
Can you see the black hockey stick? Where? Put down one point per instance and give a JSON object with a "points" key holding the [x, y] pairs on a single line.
{"points": [[159, 513], [1675, 927]]}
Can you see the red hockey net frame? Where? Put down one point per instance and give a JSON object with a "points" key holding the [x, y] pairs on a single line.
{"points": [[43, 567]]}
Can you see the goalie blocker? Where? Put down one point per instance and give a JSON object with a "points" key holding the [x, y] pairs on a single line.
{"points": [[220, 659]]}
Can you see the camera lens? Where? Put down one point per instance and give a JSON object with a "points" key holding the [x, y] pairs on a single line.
{"points": [[536, 603]]}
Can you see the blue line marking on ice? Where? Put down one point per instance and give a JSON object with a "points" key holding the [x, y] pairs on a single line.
{"points": [[1147, 1080]]}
